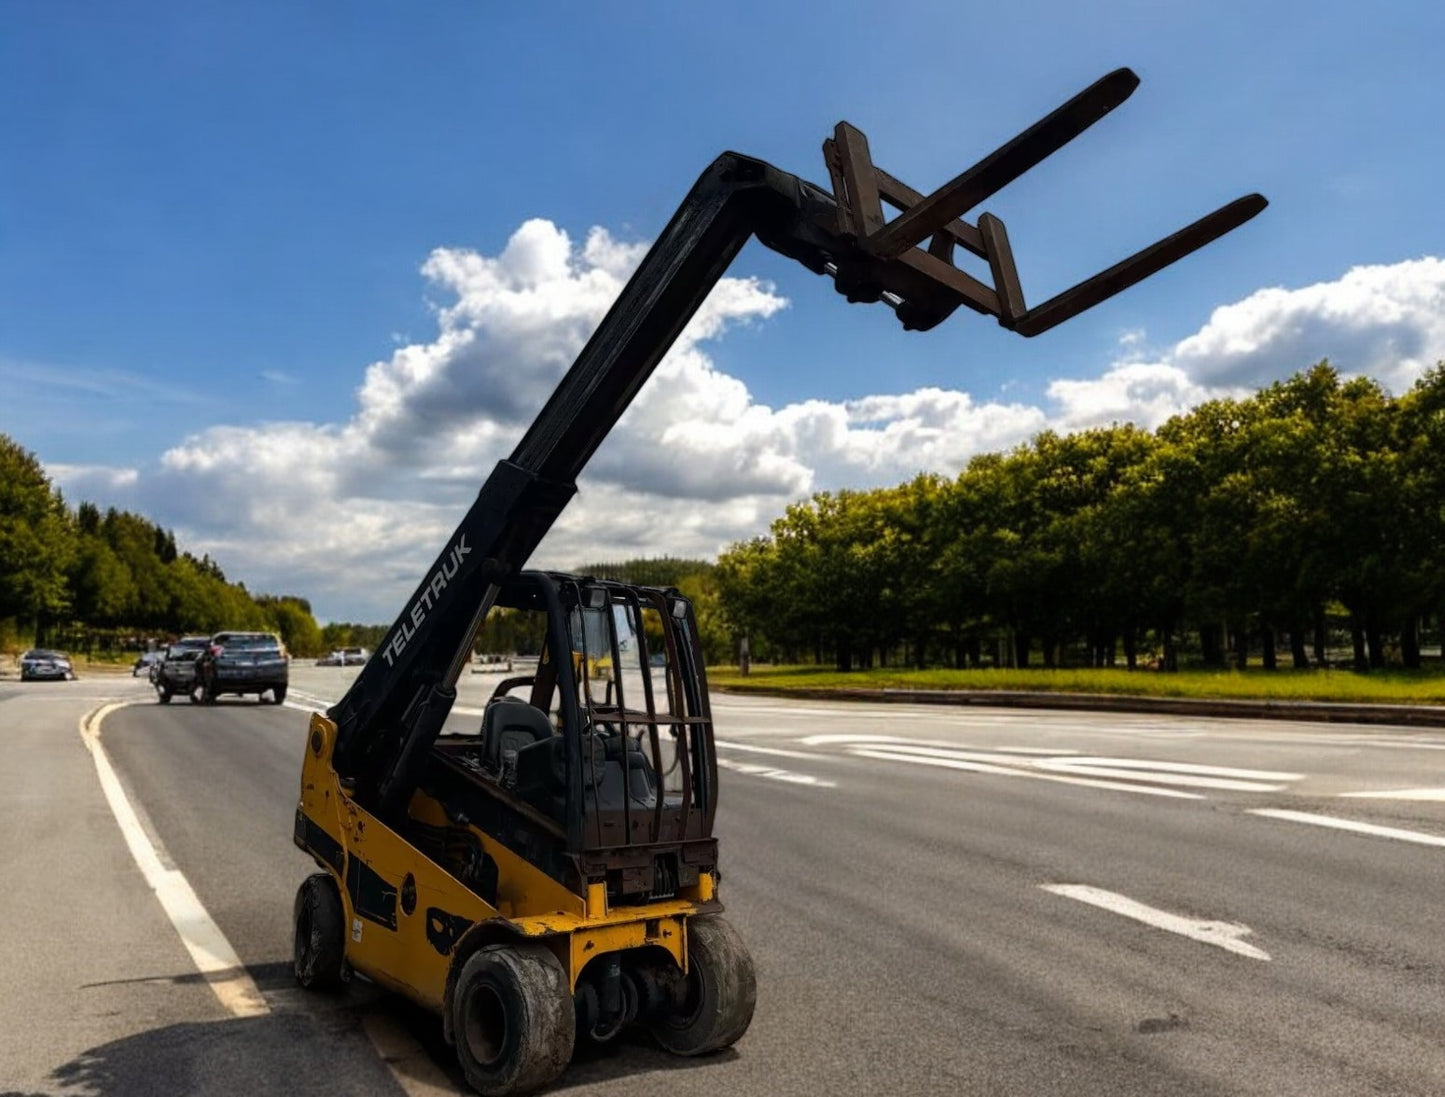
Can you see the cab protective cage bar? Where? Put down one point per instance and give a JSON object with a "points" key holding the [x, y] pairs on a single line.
{"points": [[393, 712]]}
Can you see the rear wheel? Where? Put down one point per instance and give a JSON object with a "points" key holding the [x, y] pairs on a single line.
{"points": [[278, 694], [163, 696], [319, 948], [714, 1002], [513, 1019]]}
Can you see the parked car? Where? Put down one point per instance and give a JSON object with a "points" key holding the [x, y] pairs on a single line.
{"points": [[145, 661], [242, 662], [42, 663], [176, 672]]}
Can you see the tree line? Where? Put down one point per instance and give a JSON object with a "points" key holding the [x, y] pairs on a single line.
{"points": [[1310, 513], [92, 580]]}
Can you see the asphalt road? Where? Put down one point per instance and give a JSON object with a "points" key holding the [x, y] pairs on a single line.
{"points": [[950, 901]]}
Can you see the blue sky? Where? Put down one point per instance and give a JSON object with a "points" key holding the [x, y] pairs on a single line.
{"points": [[306, 240]]}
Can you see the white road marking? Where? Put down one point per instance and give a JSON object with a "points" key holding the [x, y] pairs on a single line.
{"points": [[212, 954], [1424, 794], [1006, 771], [787, 776], [409, 1062], [1170, 777], [1126, 774], [775, 751], [1225, 935], [1416, 836], [1188, 767], [829, 740]]}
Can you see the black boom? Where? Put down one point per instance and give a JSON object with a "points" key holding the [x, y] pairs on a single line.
{"points": [[396, 707]]}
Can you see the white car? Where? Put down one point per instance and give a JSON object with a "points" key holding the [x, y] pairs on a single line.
{"points": [[345, 657], [41, 663], [145, 661]]}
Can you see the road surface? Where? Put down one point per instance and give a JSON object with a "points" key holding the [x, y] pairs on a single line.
{"points": [[949, 901]]}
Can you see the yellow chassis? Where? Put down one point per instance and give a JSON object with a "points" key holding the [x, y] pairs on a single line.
{"points": [[435, 919]]}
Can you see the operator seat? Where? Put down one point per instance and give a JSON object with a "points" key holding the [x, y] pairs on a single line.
{"points": [[510, 723]]}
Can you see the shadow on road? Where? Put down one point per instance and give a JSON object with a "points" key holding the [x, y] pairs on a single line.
{"points": [[291, 1053], [318, 1047]]}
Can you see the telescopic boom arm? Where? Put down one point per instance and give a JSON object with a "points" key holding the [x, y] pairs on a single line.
{"points": [[396, 707]]}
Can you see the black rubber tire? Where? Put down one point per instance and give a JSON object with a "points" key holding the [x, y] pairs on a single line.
{"points": [[318, 953], [513, 1020], [163, 696], [278, 695], [717, 996]]}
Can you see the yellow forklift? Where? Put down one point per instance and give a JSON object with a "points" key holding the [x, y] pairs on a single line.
{"points": [[548, 873]]}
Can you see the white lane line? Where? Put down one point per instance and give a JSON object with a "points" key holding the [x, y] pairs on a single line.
{"points": [[1188, 767], [1093, 768], [1416, 836], [1186, 780], [777, 752], [1225, 935], [838, 739], [752, 769], [1006, 771], [1433, 795], [212, 954]]}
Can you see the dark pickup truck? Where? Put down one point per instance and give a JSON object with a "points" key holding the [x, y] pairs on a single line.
{"points": [[242, 662]]}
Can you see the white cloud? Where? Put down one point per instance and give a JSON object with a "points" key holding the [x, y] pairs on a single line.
{"points": [[1387, 322], [93, 480], [1142, 393], [1381, 321], [350, 513]]}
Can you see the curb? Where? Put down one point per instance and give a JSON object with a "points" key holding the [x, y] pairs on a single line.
{"points": [[1333, 712]]}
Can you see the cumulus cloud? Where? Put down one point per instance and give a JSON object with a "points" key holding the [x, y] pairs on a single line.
{"points": [[1382, 321], [350, 513]]}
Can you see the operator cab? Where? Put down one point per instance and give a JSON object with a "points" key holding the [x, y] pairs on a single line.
{"points": [[600, 764]]}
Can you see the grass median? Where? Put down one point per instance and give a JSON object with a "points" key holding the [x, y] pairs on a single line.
{"points": [[1383, 687]]}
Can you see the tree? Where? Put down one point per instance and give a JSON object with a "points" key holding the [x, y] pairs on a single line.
{"points": [[37, 541]]}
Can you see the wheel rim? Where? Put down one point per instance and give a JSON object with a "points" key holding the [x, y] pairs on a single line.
{"points": [[689, 1004], [484, 1025]]}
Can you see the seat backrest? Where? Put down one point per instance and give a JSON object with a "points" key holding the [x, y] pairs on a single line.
{"points": [[510, 723]]}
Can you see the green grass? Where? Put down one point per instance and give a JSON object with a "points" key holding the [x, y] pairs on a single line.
{"points": [[1392, 686]]}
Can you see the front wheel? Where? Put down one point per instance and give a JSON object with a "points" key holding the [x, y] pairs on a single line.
{"points": [[513, 1019], [713, 1004], [319, 949], [278, 694], [163, 696]]}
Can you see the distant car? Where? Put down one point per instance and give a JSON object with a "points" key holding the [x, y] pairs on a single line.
{"points": [[242, 662], [145, 661], [40, 663], [176, 672], [344, 657]]}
